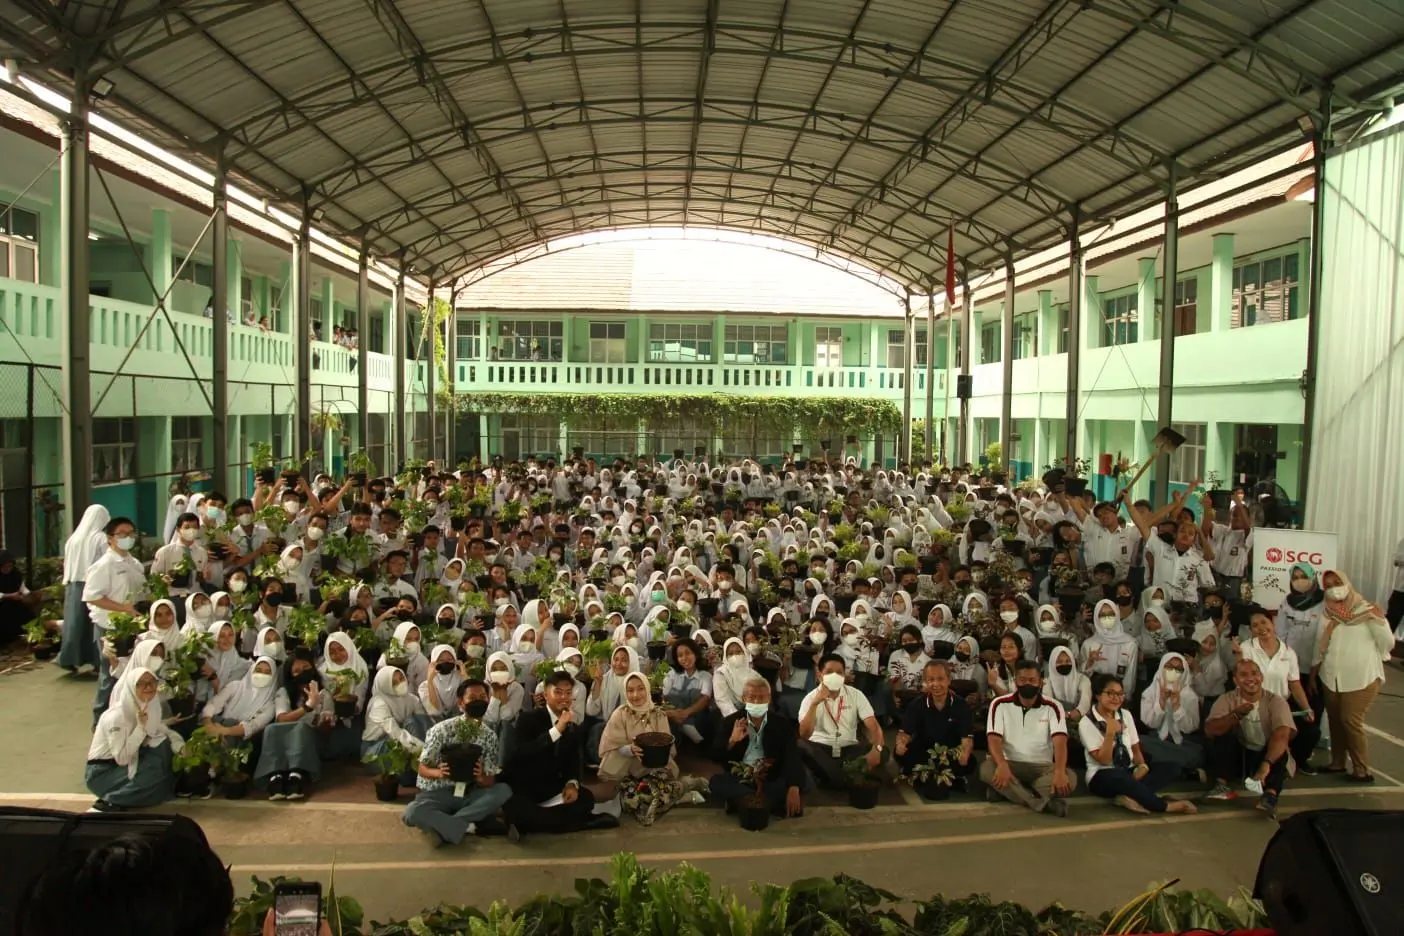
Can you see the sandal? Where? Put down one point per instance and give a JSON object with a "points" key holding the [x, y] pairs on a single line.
{"points": [[1360, 778]]}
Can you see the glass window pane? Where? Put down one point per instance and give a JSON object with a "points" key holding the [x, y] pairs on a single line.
{"points": [[1272, 271], [26, 263], [1289, 264]]}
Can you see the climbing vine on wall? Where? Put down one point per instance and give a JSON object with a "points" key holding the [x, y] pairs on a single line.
{"points": [[821, 416]]}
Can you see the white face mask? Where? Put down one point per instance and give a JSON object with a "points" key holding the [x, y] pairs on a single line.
{"points": [[188, 534], [1009, 617], [412, 647], [818, 637], [291, 563], [125, 543], [619, 581], [244, 519], [1172, 676], [499, 602], [571, 668], [261, 680], [833, 681], [850, 640], [273, 650], [1107, 621], [291, 508], [238, 585], [724, 586], [752, 649], [475, 651], [315, 533], [499, 678], [736, 660], [525, 646], [684, 605], [214, 514], [1157, 602], [402, 689], [1338, 593], [1047, 627]]}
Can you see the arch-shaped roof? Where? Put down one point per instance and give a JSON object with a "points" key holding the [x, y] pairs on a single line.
{"points": [[462, 131]]}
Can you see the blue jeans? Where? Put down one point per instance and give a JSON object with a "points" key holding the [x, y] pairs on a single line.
{"points": [[106, 682], [1117, 781], [449, 816]]}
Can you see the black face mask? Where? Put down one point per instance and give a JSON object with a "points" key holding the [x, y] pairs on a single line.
{"points": [[964, 585], [476, 709], [1124, 600], [403, 615], [1167, 538], [1028, 693], [444, 668], [963, 656], [913, 648], [273, 600], [446, 623], [1064, 668], [1213, 610]]}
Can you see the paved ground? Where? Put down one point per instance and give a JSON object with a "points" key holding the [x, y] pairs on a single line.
{"points": [[1098, 857]]}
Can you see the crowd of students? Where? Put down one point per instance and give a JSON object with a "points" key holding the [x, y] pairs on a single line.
{"points": [[793, 625]]}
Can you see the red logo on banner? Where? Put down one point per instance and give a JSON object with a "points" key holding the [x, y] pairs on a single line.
{"points": [[1274, 555]]}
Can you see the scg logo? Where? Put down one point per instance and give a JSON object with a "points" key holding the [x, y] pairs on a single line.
{"points": [[1289, 556]]}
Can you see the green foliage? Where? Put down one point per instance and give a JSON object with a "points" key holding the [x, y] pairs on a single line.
{"points": [[36, 633], [613, 602], [202, 749], [993, 457], [262, 456], [596, 651], [180, 671], [393, 760], [354, 547], [343, 681], [358, 462], [120, 624], [343, 914], [306, 622], [544, 668], [158, 586]]}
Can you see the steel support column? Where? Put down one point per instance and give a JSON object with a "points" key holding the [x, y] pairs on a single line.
{"points": [[302, 336], [363, 347], [219, 327], [1006, 331], [930, 438], [77, 364], [1320, 141], [904, 440], [396, 330], [1074, 333], [1167, 328], [451, 365], [967, 309], [428, 329]]}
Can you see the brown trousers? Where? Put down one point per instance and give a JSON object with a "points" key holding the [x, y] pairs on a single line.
{"points": [[1345, 712]]}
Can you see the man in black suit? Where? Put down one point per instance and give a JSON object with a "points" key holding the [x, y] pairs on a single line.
{"points": [[548, 759], [765, 738]]}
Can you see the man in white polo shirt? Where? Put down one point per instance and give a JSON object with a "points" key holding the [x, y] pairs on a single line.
{"points": [[1104, 539], [829, 719], [1028, 742], [1231, 544]]}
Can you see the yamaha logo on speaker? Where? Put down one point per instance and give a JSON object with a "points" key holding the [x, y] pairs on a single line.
{"points": [[1370, 883]]}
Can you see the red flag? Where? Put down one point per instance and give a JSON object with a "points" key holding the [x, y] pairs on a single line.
{"points": [[950, 267]]}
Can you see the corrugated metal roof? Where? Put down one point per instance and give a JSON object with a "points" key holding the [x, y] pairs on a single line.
{"points": [[464, 130]]}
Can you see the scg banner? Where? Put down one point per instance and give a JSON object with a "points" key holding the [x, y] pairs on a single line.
{"points": [[1276, 551]]}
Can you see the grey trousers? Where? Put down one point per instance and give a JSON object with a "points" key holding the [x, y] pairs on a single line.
{"points": [[1032, 785], [448, 815]]}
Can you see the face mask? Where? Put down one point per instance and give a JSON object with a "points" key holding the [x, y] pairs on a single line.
{"points": [[475, 651], [963, 656], [757, 709], [475, 709], [684, 605], [1157, 602], [261, 680], [273, 599], [1172, 676], [244, 519], [443, 668], [850, 640], [402, 689], [499, 602], [499, 678], [1123, 600], [619, 581], [1064, 668], [291, 563], [1167, 538], [1213, 610], [291, 508], [525, 646], [188, 534], [818, 638], [833, 681], [736, 660], [1106, 621], [1009, 617], [571, 668], [238, 585], [912, 649], [724, 586], [315, 533], [1028, 693], [1338, 593], [752, 649], [125, 543]]}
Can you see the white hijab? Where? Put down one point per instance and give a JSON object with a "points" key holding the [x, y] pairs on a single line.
{"points": [[1169, 730], [150, 724], [171, 636], [247, 699], [446, 686], [733, 676], [401, 707], [1066, 690], [354, 662], [78, 550]]}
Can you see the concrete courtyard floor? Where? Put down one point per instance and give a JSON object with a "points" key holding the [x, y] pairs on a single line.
{"points": [[1098, 857]]}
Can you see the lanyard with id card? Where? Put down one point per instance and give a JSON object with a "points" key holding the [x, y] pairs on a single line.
{"points": [[837, 747]]}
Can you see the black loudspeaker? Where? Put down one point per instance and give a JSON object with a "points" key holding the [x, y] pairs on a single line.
{"points": [[1334, 871], [964, 385], [31, 839]]}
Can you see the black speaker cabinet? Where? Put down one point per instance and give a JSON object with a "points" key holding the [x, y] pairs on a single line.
{"points": [[965, 384], [1334, 872]]}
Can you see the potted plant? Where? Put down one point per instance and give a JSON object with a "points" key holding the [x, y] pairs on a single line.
{"points": [[199, 756], [478, 504], [369, 647], [305, 625], [933, 778], [40, 639], [1219, 499], [863, 787], [262, 462], [393, 762], [123, 630], [537, 578], [182, 573], [182, 669], [656, 746], [343, 687], [463, 751], [655, 681], [395, 654], [230, 761], [359, 467], [752, 809]]}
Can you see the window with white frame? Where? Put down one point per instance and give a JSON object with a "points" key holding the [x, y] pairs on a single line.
{"points": [[1025, 336], [990, 351], [756, 344], [1063, 329], [529, 340], [1266, 291], [1186, 306], [19, 245], [828, 346], [467, 338], [1119, 320], [679, 343], [607, 343], [894, 348], [201, 274], [186, 436], [1187, 461], [114, 449]]}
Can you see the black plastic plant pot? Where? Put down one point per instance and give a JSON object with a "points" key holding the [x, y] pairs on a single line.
{"points": [[1070, 601], [928, 564], [852, 440], [656, 695], [462, 758], [863, 794], [266, 475], [707, 607], [844, 603], [344, 706], [923, 609], [476, 511], [387, 788], [656, 747], [1037, 558], [484, 582], [802, 656], [358, 479], [599, 633], [123, 646], [292, 641], [1015, 547], [753, 813], [291, 475], [1075, 487], [560, 620], [680, 631], [180, 580], [700, 451], [1047, 645], [183, 707], [235, 786], [43, 651], [964, 687], [931, 790], [767, 669], [1220, 499], [657, 649], [458, 524], [529, 591], [989, 643], [194, 780], [942, 649]]}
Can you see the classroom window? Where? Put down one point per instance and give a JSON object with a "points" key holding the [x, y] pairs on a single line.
{"points": [[894, 348], [114, 449], [19, 245], [1119, 320], [756, 344], [1186, 307], [468, 338], [1187, 461], [1266, 291], [529, 341], [989, 343], [524, 435], [186, 441], [675, 343], [607, 343], [828, 347], [201, 274], [1025, 336]]}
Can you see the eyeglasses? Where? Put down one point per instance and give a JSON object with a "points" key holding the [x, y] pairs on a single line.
{"points": [[1114, 694]]}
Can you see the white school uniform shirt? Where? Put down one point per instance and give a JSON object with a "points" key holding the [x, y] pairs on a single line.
{"points": [[1092, 736], [1278, 670], [1100, 546], [836, 721], [1180, 575], [1231, 548], [1027, 733], [115, 576], [170, 556]]}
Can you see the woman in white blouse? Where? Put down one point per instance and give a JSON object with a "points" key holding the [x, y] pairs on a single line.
{"points": [[1170, 712], [1281, 671], [1355, 639], [129, 759]]}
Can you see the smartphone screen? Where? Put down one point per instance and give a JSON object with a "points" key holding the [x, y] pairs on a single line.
{"points": [[297, 910]]}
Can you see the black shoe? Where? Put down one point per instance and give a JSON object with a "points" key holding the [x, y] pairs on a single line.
{"points": [[731, 806], [602, 821], [278, 787], [514, 834], [992, 795], [491, 826], [958, 785], [294, 786], [103, 806]]}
